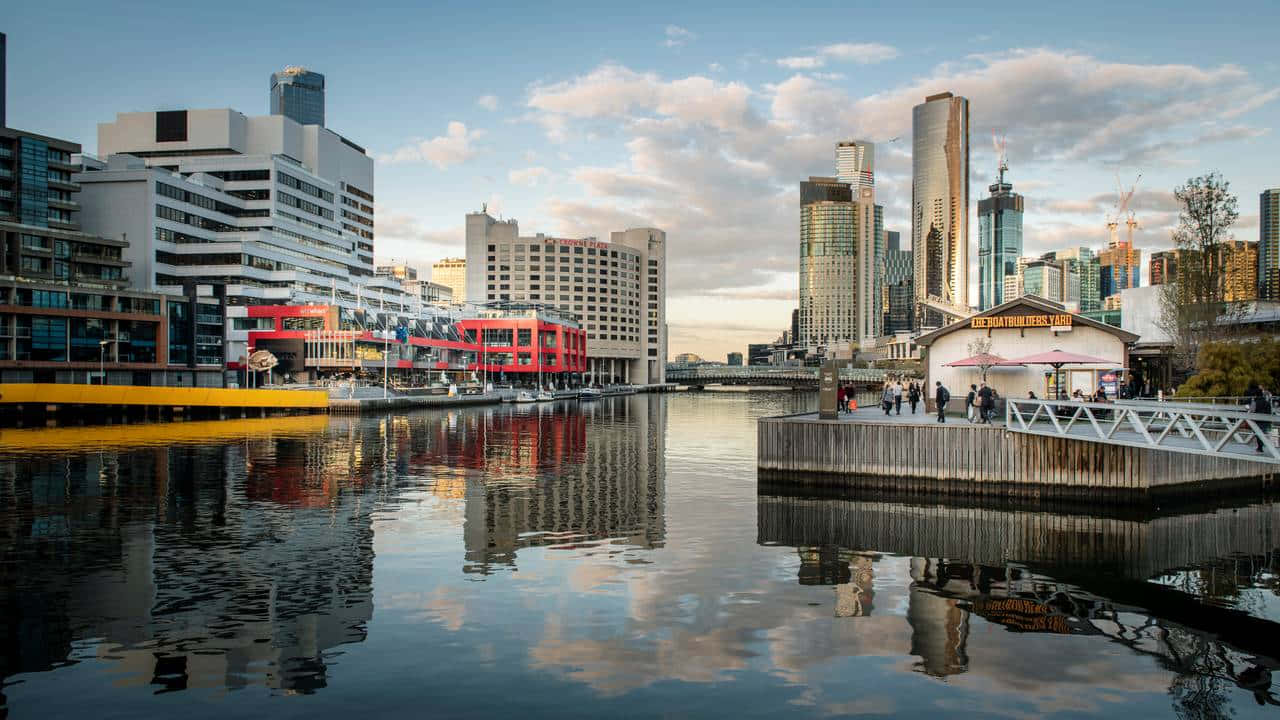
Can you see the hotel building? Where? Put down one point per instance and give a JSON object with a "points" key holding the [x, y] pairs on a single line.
{"points": [[616, 289]]}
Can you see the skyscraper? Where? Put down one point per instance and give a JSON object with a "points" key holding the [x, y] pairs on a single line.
{"points": [[1043, 278], [856, 163], [1120, 267], [452, 273], [940, 204], [1269, 245], [1163, 267], [898, 277], [829, 219], [298, 94], [999, 240]]}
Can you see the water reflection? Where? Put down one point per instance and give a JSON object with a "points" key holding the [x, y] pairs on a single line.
{"points": [[1106, 577]]}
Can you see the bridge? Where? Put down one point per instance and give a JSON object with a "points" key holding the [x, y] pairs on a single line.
{"points": [[766, 375], [1190, 428]]}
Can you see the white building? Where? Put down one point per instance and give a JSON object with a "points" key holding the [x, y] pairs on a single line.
{"points": [[616, 289], [280, 213], [452, 273]]}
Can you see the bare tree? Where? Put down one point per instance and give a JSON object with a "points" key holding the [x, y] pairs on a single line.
{"points": [[981, 347], [1195, 308]]}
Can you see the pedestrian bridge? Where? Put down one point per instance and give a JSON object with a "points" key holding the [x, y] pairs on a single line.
{"points": [[1190, 428], [766, 375]]}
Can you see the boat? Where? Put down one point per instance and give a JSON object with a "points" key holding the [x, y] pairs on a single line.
{"points": [[544, 396], [590, 393], [524, 396]]}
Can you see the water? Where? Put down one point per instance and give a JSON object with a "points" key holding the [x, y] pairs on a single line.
{"points": [[608, 559]]}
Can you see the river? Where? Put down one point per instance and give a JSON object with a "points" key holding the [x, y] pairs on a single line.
{"points": [[604, 558]]}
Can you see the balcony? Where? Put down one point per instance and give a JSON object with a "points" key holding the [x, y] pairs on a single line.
{"points": [[64, 204]]}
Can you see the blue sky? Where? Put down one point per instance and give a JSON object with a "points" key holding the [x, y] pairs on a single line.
{"points": [[578, 118]]}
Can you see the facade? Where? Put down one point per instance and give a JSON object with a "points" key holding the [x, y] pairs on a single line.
{"points": [[298, 94], [999, 241], [759, 354], [898, 297], [735, 359], [1080, 272], [1022, 327], [400, 272], [1163, 267], [687, 359], [1240, 271], [1269, 244], [425, 292], [856, 164], [829, 270], [940, 204], [1119, 267], [451, 273], [1043, 279], [279, 213], [616, 289]]}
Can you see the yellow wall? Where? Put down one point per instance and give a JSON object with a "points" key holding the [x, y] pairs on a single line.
{"points": [[158, 434], [66, 394]]}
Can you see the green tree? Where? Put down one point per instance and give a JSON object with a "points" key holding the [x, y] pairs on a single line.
{"points": [[1226, 368]]}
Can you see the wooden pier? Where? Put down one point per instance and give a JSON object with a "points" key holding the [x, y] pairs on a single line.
{"points": [[919, 454]]}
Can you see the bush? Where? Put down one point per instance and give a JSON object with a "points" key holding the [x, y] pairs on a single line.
{"points": [[1227, 368]]}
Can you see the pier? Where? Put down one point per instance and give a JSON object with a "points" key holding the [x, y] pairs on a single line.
{"points": [[50, 401], [916, 453]]}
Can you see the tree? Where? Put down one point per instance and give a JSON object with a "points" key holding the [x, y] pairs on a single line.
{"points": [[1225, 369], [1195, 306], [980, 347]]}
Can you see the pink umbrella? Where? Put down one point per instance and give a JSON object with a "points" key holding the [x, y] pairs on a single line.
{"points": [[1058, 358], [981, 359]]}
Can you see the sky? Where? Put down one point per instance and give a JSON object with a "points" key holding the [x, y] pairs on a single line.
{"points": [[698, 118]]}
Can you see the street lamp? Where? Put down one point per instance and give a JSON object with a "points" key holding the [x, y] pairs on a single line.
{"points": [[102, 359]]}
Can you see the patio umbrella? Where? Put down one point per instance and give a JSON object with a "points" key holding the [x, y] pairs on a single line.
{"points": [[1056, 359], [982, 360]]}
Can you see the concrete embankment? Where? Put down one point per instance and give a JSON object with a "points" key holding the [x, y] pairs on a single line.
{"points": [[402, 402]]}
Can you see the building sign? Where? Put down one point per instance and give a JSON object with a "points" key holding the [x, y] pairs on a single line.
{"points": [[828, 380], [1021, 321], [579, 243]]}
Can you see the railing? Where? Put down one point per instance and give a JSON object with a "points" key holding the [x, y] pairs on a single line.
{"points": [[765, 373], [1178, 427]]}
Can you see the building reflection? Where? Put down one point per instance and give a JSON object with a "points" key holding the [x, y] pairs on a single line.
{"points": [[562, 481], [1166, 586], [187, 566]]}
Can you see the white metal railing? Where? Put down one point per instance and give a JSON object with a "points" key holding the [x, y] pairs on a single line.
{"points": [[770, 372], [1187, 428]]}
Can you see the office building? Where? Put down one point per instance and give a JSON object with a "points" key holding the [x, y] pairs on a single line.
{"points": [[4, 51], [1269, 244], [735, 359], [277, 212], [1119, 267], [940, 207], [1163, 267], [856, 164], [298, 94], [1239, 271], [1080, 272], [1043, 279], [425, 292], [451, 273], [999, 241], [829, 271], [617, 289], [401, 272], [759, 353], [898, 299]]}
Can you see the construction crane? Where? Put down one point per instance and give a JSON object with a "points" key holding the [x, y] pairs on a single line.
{"points": [[1122, 206]]}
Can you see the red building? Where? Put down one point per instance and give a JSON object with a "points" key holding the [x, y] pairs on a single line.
{"points": [[314, 341]]}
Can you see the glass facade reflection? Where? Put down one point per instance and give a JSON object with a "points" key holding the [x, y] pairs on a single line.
{"points": [[940, 203], [999, 242], [829, 220], [298, 94]]}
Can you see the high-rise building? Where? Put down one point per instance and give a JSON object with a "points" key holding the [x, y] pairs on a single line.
{"points": [[1043, 278], [298, 94], [1269, 244], [856, 164], [735, 359], [1163, 267], [999, 241], [828, 263], [1080, 278], [940, 205], [617, 289], [1239, 271], [899, 275], [1120, 267], [795, 326], [3, 90], [452, 273], [279, 213]]}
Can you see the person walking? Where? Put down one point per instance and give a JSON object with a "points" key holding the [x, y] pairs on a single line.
{"points": [[986, 403], [886, 398], [913, 396], [971, 403], [897, 396], [941, 397], [840, 400], [1259, 403]]}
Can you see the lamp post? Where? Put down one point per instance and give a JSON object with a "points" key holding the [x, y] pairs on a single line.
{"points": [[102, 359]]}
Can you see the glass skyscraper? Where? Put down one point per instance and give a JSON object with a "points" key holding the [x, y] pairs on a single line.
{"points": [[1269, 245], [828, 262], [999, 241], [940, 204], [298, 94], [898, 276]]}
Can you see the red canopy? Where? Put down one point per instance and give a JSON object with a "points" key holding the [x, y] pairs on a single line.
{"points": [[981, 359], [1058, 358]]}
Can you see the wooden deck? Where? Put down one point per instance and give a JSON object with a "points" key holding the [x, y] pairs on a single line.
{"points": [[868, 449]]}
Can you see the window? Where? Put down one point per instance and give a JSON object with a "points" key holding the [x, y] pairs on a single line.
{"points": [[171, 126]]}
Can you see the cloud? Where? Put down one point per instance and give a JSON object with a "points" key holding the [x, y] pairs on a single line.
{"points": [[403, 237], [529, 177], [677, 36], [488, 102], [802, 62], [715, 67], [444, 151], [861, 53]]}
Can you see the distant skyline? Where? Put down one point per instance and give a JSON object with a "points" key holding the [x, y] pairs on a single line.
{"points": [[581, 120]]}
